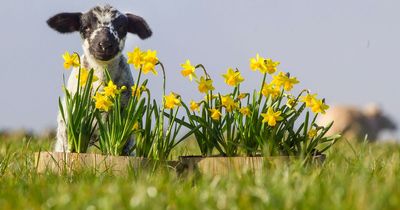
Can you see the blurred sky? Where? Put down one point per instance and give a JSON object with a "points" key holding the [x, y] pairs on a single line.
{"points": [[345, 50]]}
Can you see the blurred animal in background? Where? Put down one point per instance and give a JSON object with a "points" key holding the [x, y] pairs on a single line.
{"points": [[357, 123], [103, 30]]}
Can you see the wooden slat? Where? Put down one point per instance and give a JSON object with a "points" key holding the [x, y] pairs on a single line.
{"points": [[238, 165], [60, 162]]}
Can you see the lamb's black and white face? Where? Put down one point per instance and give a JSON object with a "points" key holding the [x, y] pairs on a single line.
{"points": [[103, 29]]}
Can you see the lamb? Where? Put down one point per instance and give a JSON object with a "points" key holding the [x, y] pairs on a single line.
{"points": [[355, 123], [103, 30]]}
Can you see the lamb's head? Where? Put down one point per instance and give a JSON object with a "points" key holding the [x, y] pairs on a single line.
{"points": [[103, 30], [377, 119]]}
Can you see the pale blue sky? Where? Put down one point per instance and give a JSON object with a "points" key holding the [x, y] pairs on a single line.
{"points": [[345, 50]]}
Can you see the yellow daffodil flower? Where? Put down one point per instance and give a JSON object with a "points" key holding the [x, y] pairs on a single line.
{"points": [[233, 78], [136, 58], [318, 106], [258, 63], [228, 103], [215, 114], [312, 133], [111, 89], [136, 126], [150, 57], [137, 91], [84, 74], [270, 66], [288, 85], [188, 70], [145, 60], [149, 67], [284, 80], [194, 106], [171, 101], [271, 117], [71, 60], [242, 96], [102, 102], [308, 99], [279, 79], [245, 111], [143, 88], [291, 102], [123, 88], [205, 85], [271, 90]]}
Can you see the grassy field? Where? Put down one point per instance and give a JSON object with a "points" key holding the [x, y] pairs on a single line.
{"points": [[363, 176]]}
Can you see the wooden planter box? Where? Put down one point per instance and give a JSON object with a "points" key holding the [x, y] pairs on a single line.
{"points": [[239, 165], [60, 162]]}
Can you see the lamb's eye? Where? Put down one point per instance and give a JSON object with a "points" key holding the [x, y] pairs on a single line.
{"points": [[86, 28]]}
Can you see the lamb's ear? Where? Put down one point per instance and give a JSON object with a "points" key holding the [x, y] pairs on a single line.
{"points": [[137, 25], [65, 22]]}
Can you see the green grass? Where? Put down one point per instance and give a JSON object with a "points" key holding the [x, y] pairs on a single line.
{"points": [[366, 176]]}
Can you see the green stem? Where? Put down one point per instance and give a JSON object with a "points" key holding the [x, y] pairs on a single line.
{"points": [[262, 86], [161, 123], [204, 69]]}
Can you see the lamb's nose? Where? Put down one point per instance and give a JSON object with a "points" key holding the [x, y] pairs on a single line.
{"points": [[105, 45]]}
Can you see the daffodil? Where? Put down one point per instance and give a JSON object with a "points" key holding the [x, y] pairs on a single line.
{"points": [[143, 88], [284, 80], [312, 133], [308, 99], [150, 57], [188, 70], [228, 103], [111, 89], [270, 66], [194, 106], [291, 102], [102, 102], [270, 90], [84, 74], [258, 63], [233, 78], [245, 111], [70, 60], [288, 85], [123, 88], [242, 96], [136, 58], [171, 101], [145, 60], [205, 85], [318, 106], [149, 67], [215, 114], [136, 91], [279, 79], [271, 117], [136, 126]]}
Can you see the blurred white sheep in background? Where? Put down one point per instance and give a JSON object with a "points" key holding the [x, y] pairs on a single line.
{"points": [[357, 123]]}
